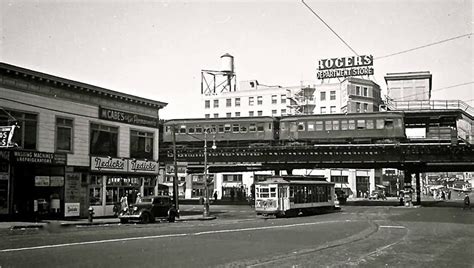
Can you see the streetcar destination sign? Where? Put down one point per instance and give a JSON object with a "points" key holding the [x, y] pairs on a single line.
{"points": [[345, 67]]}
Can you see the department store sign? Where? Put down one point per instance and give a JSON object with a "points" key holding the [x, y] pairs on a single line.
{"points": [[128, 118], [114, 164], [345, 67]]}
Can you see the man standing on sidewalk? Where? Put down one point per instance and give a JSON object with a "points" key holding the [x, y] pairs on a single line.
{"points": [[467, 202]]}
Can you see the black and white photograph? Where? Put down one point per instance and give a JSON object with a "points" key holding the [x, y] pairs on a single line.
{"points": [[236, 133]]}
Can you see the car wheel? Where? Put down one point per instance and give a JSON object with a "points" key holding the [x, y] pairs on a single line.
{"points": [[145, 218]]}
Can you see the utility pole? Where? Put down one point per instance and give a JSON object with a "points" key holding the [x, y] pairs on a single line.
{"points": [[175, 177], [206, 188]]}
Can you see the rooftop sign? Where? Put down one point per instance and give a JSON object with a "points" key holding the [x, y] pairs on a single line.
{"points": [[345, 67]]}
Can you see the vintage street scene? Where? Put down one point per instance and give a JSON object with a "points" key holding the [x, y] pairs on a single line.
{"points": [[240, 133]]}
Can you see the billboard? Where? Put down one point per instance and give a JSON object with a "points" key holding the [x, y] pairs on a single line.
{"points": [[345, 67]]}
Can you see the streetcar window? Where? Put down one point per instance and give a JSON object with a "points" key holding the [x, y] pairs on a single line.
{"points": [[293, 127], [167, 129], [379, 124], [213, 129], [252, 128], [351, 124], [273, 192], [370, 124], [328, 125], [319, 125], [235, 128], [264, 193], [344, 125], [260, 127], [198, 129], [360, 124], [243, 129], [182, 129], [270, 127], [301, 126], [191, 130], [227, 128], [221, 128], [310, 125], [335, 125]]}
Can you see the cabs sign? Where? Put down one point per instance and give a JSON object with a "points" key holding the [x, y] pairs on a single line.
{"points": [[345, 67], [6, 135]]}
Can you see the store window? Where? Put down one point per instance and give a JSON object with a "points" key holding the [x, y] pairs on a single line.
{"points": [[141, 144], [25, 135], [103, 140], [64, 134]]}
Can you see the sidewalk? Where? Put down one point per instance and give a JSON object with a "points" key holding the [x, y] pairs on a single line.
{"points": [[17, 225]]}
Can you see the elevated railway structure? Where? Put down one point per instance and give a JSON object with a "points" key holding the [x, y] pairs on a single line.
{"points": [[440, 148]]}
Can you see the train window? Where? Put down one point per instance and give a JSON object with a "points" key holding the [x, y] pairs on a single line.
{"points": [[335, 125], [167, 129], [221, 129], [227, 128], [191, 130], [235, 128], [198, 129], [388, 123], [243, 129], [360, 124], [213, 129], [310, 125], [301, 126], [270, 127], [293, 127], [370, 124], [344, 125], [352, 124], [319, 125], [260, 127], [328, 125], [252, 128], [379, 123], [182, 129]]}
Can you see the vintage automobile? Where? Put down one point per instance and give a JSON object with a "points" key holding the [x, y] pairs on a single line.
{"points": [[150, 208]]}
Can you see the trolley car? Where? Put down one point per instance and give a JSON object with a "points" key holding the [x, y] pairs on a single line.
{"points": [[294, 195]]}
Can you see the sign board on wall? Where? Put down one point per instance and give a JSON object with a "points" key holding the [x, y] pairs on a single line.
{"points": [[345, 67], [113, 164], [72, 187], [128, 118], [6, 135], [72, 209], [40, 158], [42, 181]]}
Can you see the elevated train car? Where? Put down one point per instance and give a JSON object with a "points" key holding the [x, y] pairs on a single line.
{"points": [[357, 128], [294, 195], [236, 131]]}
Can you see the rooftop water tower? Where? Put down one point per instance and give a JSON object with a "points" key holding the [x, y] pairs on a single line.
{"points": [[224, 80]]}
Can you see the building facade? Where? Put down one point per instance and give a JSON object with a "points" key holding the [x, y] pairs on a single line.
{"points": [[352, 95], [77, 146]]}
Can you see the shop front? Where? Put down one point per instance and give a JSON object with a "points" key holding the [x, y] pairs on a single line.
{"points": [[113, 179], [31, 184]]}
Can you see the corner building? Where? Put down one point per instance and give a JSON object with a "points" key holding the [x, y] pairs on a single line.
{"points": [[77, 145]]}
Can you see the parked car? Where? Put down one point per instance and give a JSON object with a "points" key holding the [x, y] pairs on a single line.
{"points": [[150, 208]]}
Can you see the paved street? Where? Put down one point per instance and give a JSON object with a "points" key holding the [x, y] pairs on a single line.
{"points": [[370, 236]]}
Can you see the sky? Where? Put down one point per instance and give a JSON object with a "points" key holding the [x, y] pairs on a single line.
{"points": [[157, 49]]}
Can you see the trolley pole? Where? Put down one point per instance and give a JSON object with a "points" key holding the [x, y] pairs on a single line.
{"points": [[206, 187], [175, 177]]}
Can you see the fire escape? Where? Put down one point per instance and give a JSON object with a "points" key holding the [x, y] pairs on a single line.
{"points": [[301, 100]]}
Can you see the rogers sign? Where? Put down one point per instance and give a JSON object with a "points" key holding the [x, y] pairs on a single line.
{"points": [[344, 67]]}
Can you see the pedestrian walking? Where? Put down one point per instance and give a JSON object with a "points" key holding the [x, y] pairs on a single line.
{"points": [[215, 196], [124, 202], [467, 202]]}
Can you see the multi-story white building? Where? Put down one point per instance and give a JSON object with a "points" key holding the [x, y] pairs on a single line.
{"points": [[352, 95]]}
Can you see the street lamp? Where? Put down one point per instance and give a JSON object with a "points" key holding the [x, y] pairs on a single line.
{"points": [[206, 188]]}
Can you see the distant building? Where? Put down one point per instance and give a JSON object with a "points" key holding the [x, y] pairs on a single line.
{"points": [[409, 86]]}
